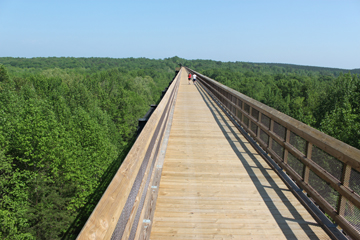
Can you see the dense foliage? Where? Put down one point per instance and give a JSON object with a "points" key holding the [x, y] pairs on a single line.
{"points": [[60, 129], [65, 124]]}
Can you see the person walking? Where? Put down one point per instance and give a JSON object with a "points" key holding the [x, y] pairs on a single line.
{"points": [[189, 78], [194, 78]]}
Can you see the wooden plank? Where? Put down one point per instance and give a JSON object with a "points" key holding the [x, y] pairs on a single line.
{"points": [[215, 185]]}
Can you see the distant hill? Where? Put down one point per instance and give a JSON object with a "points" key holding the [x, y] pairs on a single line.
{"points": [[198, 64], [313, 68], [356, 70]]}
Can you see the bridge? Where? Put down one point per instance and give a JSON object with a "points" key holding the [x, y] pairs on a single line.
{"points": [[212, 163]]}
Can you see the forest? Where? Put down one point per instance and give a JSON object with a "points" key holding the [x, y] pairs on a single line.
{"points": [[67, 123]]}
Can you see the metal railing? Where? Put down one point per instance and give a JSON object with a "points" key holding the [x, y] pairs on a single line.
{"points": [[327, 169]]}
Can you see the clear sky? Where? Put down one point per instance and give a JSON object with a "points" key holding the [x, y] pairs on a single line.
{"points": [[307, 32]]}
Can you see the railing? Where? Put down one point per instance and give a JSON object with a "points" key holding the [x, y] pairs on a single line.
{"points": [[124, 210], [327, 169]]}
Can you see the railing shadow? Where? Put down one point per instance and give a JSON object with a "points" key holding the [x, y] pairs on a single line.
{"points": [[282, 222], [85, 212]]}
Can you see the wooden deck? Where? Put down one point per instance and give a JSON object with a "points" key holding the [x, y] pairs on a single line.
{"points": [[214, 185]]}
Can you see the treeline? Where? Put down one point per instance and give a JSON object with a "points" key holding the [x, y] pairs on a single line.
{"points": [[65, 124], [60, 130], [90, 64], [95, 64], [271, 68]]}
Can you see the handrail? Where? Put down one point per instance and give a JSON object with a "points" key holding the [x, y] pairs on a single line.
{"points": [[120, 212], [311, 158]]}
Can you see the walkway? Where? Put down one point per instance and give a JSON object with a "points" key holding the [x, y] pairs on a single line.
{"points": [[214, 185]]}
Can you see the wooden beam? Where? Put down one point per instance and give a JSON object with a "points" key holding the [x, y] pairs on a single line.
{"points": [[104, 218]]}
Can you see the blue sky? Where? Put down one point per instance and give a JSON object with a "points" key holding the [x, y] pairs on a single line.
{"points": [[306, 32]]}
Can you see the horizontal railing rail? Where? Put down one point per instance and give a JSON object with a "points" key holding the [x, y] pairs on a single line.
{"points": [[127, 202], [327, 169]]}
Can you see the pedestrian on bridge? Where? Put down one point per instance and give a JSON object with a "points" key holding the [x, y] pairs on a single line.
{"points": [[194, 78], [189, 78]]}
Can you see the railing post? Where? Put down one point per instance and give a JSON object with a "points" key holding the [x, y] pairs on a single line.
{"points": [[242, 115], [258, 129], [287, 140], [250, 115], [345, 179], [271, 130], [306, 168], [227, 100], [234, 101]]}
